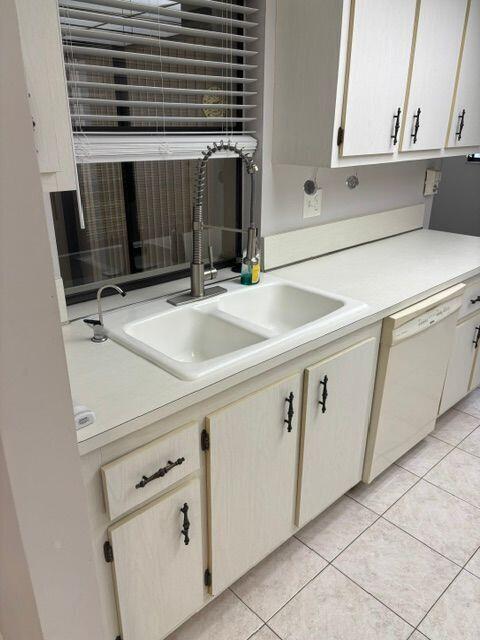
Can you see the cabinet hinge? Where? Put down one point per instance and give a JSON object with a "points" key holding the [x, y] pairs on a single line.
{"points": [[205, 440], [108, 552], [340, 136], [207, 578]]}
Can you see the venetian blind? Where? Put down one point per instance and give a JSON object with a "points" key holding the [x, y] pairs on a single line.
{"points": [[159, 79]]}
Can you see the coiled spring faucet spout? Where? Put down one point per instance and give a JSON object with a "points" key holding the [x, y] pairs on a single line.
{"points": [[198, 272]]}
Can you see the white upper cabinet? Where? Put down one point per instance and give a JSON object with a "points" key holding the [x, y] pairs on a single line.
{"points": [[434, 64], [376, 84], [465, 122], [371, 81]]}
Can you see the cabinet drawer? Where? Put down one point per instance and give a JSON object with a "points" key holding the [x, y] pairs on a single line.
{"points": [[471, 298], [127, 482]]}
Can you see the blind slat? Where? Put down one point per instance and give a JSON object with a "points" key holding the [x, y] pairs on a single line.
{"points": [[173, 14], [148, 89], [149, 57], [151, 104], [149, 73], [69, 31], [145, 118], [106, 20]]}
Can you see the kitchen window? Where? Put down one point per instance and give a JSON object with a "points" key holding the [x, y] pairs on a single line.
{"points": [[150, 84]]}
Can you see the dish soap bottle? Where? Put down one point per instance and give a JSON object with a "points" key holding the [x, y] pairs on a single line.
{"points": [[250, 269]]}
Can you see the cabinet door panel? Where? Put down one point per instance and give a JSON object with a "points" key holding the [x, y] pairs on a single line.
{"points": [[381, 43], [159, 579], [334, 440], [435, 60], [468, 88], [460, 364], [252, 467]]}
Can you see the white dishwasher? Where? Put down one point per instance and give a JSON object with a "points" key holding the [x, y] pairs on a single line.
{"points": [[415, 347]]}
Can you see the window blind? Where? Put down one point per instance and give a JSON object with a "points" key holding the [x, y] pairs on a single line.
{"points": [[159, 79]]}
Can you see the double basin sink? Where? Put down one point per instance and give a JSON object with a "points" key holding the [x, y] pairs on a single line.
{"points": [[229, 330]]}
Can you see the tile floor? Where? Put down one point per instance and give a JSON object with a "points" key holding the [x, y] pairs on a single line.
{"points": [[398, 559]]}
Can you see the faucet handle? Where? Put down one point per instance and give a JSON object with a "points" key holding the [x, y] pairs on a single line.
{"points": [[92, 322], [211, 272]]}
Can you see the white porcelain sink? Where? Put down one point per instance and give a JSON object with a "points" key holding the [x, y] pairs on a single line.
{"points": [[232, 330]]}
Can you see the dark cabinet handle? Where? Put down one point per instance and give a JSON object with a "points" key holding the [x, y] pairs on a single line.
{"points": [[416, 126], [475, 300], [460, 125], [396, 126], [186, 524], [477, 337], [290, 412], [160, 473], [323, 401]]}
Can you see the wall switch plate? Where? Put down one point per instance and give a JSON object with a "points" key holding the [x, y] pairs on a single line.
{"points": [[432, 182], [312, 204]]}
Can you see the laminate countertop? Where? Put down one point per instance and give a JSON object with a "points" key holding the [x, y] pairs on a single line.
{"points": [[127, 392]]}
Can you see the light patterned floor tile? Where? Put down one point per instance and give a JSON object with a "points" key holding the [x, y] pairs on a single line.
{"points": [[472, 443], [400, 571], [418, 636], [474, 564], [269, 585], [470, 404], [226, 618], [454, 426], [264, 634], [424, 456], [456, 616], [386, 489], [336, 527], [458, 473], [332, 607], [428, 513]]}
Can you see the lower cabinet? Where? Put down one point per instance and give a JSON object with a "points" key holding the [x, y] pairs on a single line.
{"points": [[460, 377], [158, 565], [336, 411], [252, 478]]}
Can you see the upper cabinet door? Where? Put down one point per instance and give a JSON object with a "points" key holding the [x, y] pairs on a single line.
{"points": [[434, 66], [465, 123], [380, 48]]}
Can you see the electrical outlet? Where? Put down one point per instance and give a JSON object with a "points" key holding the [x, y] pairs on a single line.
{"points": [[432, 182], [312, 204]]}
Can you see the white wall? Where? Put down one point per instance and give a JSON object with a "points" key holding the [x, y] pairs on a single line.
{"points": [[48, 587], [381, 187]]}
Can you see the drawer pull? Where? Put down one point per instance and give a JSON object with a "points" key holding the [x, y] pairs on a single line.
{"points": [[186, 524], [290, 412], [477, 337], [475, 300], [416, 126], [396, 126], [160, 473], [323, 401]]}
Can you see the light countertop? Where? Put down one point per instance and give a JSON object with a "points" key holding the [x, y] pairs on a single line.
{"points": [[127, 392]]}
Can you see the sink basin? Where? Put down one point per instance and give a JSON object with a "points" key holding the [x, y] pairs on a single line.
{"points": [[279, 308], [231, 331], [191, 336]]}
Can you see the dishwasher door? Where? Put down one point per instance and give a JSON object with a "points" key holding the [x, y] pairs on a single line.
{"points": [[415, 348]]}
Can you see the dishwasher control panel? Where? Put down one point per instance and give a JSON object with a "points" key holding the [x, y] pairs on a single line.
{"points": [[426, 320]]}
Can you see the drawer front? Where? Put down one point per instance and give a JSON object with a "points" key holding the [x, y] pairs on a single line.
{"points": [[128, 481], [471, 298]]}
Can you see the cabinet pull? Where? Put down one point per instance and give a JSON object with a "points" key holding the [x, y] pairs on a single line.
{"points": [[186, 524], [460, 125], [416, 125], [475, 300], [290, 412], [160, 473], [477, 337], [323, 401], [396, 126]]}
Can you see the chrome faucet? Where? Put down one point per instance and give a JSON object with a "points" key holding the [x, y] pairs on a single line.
{"points": [[99, 334], [198, 272]]}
